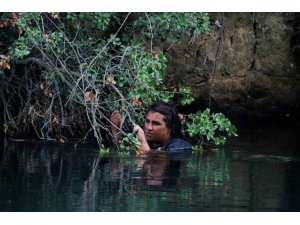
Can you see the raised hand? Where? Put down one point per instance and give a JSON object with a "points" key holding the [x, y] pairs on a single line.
{"points": [[139, 132], [115, 119]]}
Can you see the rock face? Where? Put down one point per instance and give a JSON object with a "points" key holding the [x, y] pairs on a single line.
{"points": [[247, 66]]}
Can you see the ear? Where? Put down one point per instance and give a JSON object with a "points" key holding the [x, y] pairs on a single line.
{"points": [[169, 131]]}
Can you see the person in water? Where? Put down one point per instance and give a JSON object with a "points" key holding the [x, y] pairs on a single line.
{"points": [[162, 129]]}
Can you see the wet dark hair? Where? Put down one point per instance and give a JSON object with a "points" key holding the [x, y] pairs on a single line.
{"points": [[171, 118]]}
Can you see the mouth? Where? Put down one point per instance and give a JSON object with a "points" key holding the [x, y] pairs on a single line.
{"points": [[149, 135]]}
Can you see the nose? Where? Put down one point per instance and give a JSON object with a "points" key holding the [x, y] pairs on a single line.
{"points": [[148, 126]]}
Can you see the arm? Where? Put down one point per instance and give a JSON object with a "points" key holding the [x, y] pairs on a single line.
{"points": [[141, 137]]}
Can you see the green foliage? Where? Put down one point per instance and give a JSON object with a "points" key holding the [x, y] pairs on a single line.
{"points": [[104, 151], [129, 144], [20, 48], [213, 126], [149, 75], [197, 149], [172, 26], [97, 21], [187, 98]]}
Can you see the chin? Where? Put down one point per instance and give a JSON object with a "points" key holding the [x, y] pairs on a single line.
{"points": [[149, 139]]}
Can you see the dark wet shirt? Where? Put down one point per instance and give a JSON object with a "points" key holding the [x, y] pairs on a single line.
{"points": [[175, 145]]}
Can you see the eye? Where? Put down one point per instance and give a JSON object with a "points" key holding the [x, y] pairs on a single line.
{"points": [[156, 123]]}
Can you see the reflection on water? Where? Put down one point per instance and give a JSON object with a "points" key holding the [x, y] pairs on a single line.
{"points": [[239, 177]]}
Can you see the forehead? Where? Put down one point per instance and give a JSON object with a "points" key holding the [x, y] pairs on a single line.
{"points": [[155, 116]]}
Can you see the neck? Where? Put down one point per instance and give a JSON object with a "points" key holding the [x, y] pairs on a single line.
{"points": [[159, 144]]}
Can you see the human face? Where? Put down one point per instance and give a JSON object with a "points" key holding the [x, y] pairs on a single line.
{"points": [[156, 129]]}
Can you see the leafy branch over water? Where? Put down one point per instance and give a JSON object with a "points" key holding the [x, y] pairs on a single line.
{"points": [[213, 126]]}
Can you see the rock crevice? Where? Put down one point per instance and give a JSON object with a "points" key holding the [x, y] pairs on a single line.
{"points": [[247, 67]]}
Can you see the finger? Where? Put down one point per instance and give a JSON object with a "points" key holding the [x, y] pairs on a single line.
{"points": [[116, 116], [136, 129], [115, 112]]}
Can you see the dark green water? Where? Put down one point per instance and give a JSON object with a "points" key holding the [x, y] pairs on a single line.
{"points": [[258, 171]]}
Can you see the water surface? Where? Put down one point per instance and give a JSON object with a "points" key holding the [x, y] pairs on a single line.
{"points": [[258, 171]]}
